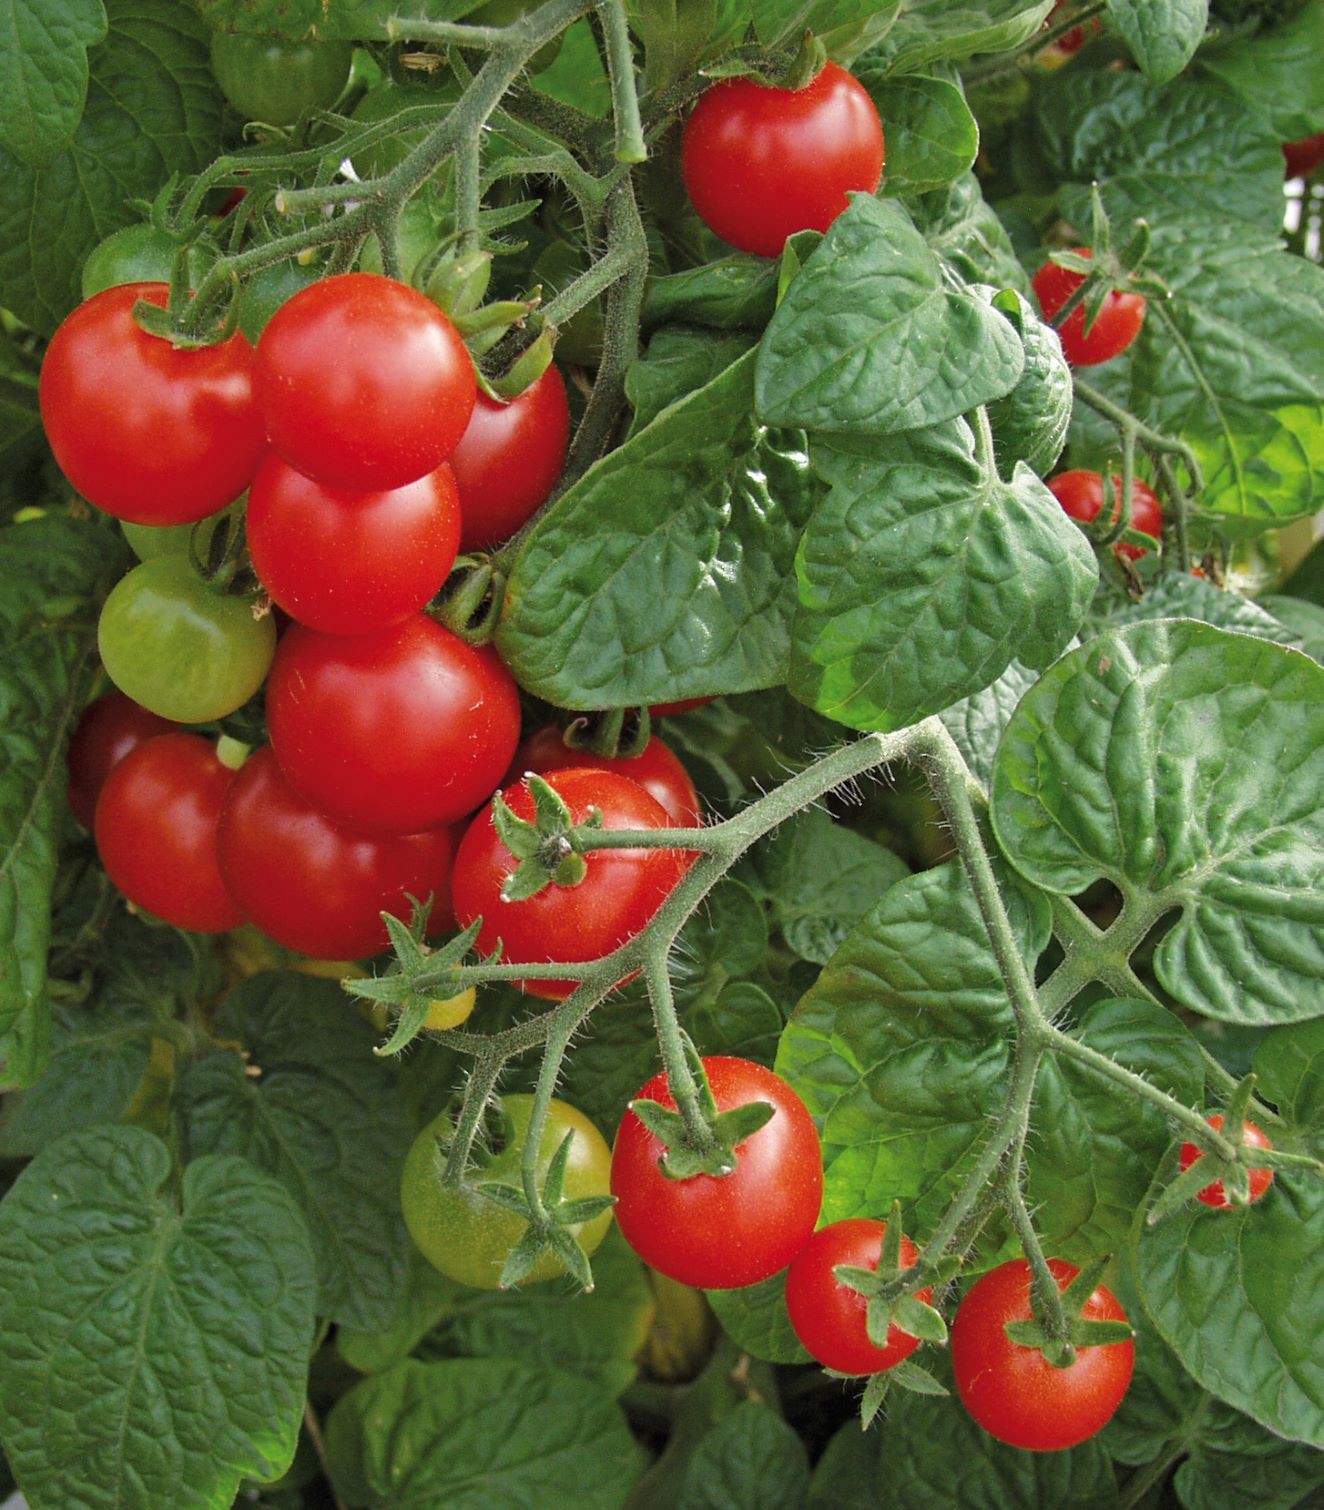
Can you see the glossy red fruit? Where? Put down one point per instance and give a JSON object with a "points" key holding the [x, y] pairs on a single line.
{"points": [[656, 768], [308, 883], [1301, 158], [761, 163], [363, 382], [829, 1317], [1214, 1193], [509, 458], [107, 730], [148, 432], [684, 705], [156, 831], [1117, 325], [721, 1232], [393, 732], [621, 891], [1012, 1390], [1081, 496], [351, 562]]}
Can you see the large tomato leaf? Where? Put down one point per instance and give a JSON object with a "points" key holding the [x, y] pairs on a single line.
{"points": [[932, 138], [156, 1339], [313, 1106], [1162, 34], [665, 571], [1276, 72], [932, 31], [1186, 765], [43, 74]]}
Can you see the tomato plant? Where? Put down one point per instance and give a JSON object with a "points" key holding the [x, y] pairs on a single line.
{"points": [[1012, 1390], [466, 1234], [156, 823], [146, 431], [656, 768], [1259, 1180], [1111, 331], [722, 1231]]}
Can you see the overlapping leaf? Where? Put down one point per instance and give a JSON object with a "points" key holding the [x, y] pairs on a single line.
{"points": [[43, 74]]}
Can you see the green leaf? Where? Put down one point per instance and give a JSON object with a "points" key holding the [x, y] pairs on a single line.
{"points": [[665, 571], [1162, 34], [178, 1325], [734, 293], [976, 722], [324, 1116], [473, 1433], [679, 359], [43, 74], [1095, 1145], [927, 31], [922, 578], [751, 1461], [1175, 596], [844, 1475], [1290, 1064], [1186, 765], [742, 1020], [819, 878], [756, 1321], [1303, 622], [902, 1047], [932, 138], [1030, 424], [863, 342], [53, 573], [424, 1299], [966, 233], [1239, 1297], [153, 108], [1276, 73]]}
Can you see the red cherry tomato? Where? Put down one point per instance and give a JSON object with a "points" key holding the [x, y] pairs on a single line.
{"points": [[1012, 1390], [349, 563], [147, 432], [109, 728], [656, 768], [1214, 1194], [1081, 496], [1300, 159], [762, 163], [509, 458], [620, 893], [685, 705], [722, 1232], [1117, 325], [363, 382], [156, 831], [829, 1317], [310, 884], [393, 732]]}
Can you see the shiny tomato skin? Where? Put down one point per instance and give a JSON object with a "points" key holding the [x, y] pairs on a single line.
{"points": [[620, 893], [393, 732], [351, 562], [722, 1232], [1117, 325], [156, 831], [146, 432], [509, 458], [1214, 1194], [656, 768], [363, 382], [1012, 1391], [105, 733], [1301, 158], [1081, 495], [829, 1317], [761, 163], [308, 883]]}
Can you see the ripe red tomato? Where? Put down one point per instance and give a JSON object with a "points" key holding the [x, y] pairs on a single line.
{"points": [[620, 893], [393, 732], [349, 563], [1300, 159], [509, 458], [363, 382], [722, 1232], [656, 768], [1081, 496], [1012, 1390], [1214, 1194], [762, 163], [107, 730], [156, 831], [310, 884], [829, 1317], [683, 705], [147, 432], [1118, 323]]}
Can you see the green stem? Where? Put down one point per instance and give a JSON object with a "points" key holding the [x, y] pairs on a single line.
{"points": [[558, 1040], [1047, 1307], [630, 146], [478, 1091], [680, 1079]]}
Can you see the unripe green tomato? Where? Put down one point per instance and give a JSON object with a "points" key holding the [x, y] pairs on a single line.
{"points": [[502, 13], [148, 541], [267, 289], [386, 100], [136, 254], [270, 80], [420, 231], [468, 1237], [180, 649]]}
